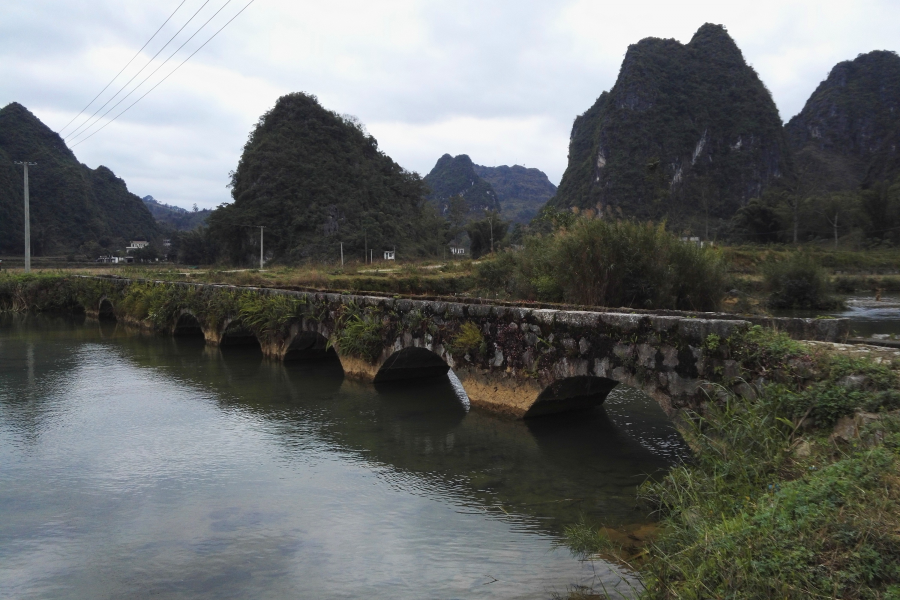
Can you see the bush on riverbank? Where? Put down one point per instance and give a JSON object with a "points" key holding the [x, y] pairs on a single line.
{"points": [[35, 291], [773, 506], [798, 282], [598, 262]]}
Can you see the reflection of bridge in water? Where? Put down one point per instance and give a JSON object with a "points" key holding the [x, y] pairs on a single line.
{"points": [[546, 472], [513, 360]]}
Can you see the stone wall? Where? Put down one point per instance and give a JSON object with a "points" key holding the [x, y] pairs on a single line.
{"points": [[512, 360]]}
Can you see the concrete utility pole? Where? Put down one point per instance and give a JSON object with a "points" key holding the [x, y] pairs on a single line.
{"points": [[261, 227], [26, 164], [342, 254]]}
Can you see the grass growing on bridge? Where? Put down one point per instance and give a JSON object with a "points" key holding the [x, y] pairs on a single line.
{"points": [[772, 505]]}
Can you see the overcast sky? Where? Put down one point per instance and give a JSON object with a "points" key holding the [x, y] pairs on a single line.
{"points": [[499, 81]]}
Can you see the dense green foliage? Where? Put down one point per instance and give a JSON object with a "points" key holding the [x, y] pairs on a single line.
{"points": [[770, 508], [456, 176], [71, 204], [688, 132], [522, 192], [852, 117], [798, 282], [599, 262], [315, 180], [175, 217], [846, 149]]}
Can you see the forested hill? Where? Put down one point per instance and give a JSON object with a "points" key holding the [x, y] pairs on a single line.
{"points": [[315, 180], [456, 176], [71, 204], [522, 192], [175, 217], [848, 132], [688, 132]]}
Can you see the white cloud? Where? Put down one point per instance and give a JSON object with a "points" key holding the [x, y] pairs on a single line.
{"points": [[500, 81]]}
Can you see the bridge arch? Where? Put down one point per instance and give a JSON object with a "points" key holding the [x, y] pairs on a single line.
{"points": [[309, 345], [412, 362], [570, 394], [234, 333], [187, 325], [105, 310]]}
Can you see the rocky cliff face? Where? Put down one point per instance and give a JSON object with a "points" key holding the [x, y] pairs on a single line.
{"points": [[522, 192], [70, 203], [848, 132], [456, 176], [687, 132]]}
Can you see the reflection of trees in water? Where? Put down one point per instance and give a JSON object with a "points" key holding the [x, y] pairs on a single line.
{"points": [[549, 470]]}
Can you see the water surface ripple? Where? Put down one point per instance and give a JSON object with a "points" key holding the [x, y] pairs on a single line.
{"points": [[135, 466]]}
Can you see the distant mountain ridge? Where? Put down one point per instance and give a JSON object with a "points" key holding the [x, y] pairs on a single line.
{"points": [[456, 176], [688, 132], [522, 192], [515, 192], [71, 204], [175, 217]]}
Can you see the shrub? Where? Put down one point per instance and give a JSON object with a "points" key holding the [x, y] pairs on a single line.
{"points": [[798, 282], [359, 334], [468, 340], [613, 263]]}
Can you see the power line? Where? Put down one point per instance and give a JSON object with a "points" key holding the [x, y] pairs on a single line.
{"points": [[141, 71], [147, 78], [169, 75], [125, 67]]}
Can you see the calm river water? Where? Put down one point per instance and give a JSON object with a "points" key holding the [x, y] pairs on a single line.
{"points": [[145, 467]]}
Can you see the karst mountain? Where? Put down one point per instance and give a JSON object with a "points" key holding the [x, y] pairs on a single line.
{"points": [[317, 180], [688, 133], [70, 203]]}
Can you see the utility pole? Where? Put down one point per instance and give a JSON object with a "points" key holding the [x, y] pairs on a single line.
{"points": [[490, 218], [261, 227], [26, 164], [342, 254]]}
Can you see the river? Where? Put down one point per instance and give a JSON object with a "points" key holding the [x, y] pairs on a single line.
{"points": [[136, 466]]}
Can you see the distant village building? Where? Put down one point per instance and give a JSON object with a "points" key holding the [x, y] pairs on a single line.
{"points": [[114, 260], [389, 254], [137, 245], [694, 240]]}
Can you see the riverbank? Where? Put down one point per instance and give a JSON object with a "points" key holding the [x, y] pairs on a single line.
{"points": [[787, 470], [848, 272], [794, 491]]}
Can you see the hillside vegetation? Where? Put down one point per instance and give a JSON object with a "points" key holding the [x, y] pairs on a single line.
{"points": [[175, 217], [456, 177], [522, 192], [71, 204], [688, 133], [316, 179]]}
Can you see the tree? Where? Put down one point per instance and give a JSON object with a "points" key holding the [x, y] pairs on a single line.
{"points": [[757, 222], [482, 233]]}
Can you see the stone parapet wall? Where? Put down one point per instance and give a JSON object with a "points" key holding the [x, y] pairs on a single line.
{"points": [[514, 360]]}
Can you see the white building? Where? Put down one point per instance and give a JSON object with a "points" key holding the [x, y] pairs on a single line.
{"points": [[137, 245]]}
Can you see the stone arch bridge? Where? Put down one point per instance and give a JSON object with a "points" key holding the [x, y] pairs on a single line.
{"points": [[511, 359]]}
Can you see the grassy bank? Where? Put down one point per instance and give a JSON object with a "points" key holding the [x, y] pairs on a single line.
{"points": [[592, 263], [794, 491]]}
